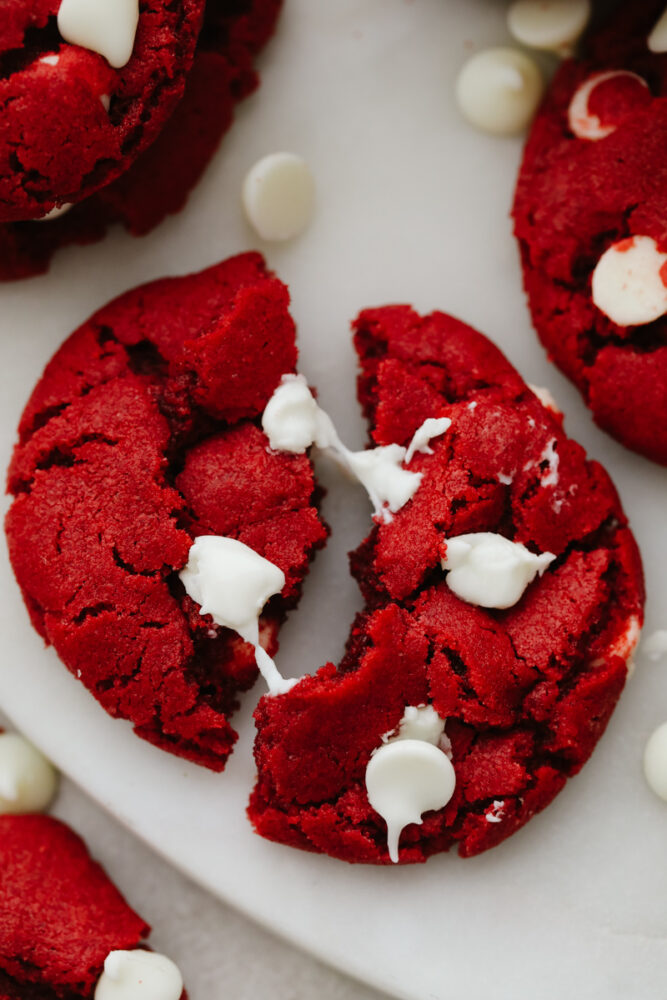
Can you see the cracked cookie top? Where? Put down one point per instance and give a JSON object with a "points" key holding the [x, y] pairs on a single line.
{"points": [[70, 121], [589, 215], [523, 692], [142, 434]]}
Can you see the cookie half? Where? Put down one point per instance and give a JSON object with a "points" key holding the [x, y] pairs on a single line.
{"points": [[589, 217], [142, 434], [520, 695]]}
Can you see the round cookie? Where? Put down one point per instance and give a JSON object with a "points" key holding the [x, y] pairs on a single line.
{"points": [[71, 121], [141, 435], [60, 915], [592, 187], [521, 694], [159, 181]]}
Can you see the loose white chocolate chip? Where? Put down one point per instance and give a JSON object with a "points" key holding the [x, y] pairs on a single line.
{"points": [[490, 570], [628, 284], [498, 90], [279, 196], [655, 761], [28, 782], [553, 25], [139, 975], [582, 123], [655, 645], [108, 27], [657, 40]]}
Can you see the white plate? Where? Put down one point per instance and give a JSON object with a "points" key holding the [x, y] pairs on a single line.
{"points": [[412, 207]]}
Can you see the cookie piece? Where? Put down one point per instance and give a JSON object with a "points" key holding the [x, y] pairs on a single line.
{"points": [[592, 187], [71, 122], [60, 915], [158, 182], [523, 693], [141, 435]]}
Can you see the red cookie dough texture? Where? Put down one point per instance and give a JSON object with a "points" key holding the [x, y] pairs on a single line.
{"points": [[142, 434], [60, 915], [159, 180], [526, 692], [575, 198], [58, 140]]}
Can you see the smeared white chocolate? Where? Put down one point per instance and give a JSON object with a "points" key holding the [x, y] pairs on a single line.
{"points": [[498, 90], [433, 427], [657, 40], [139, 975], [553, 25], [628, 285], [293, 422], [410, 773], [278, 196], [28, 782], [489, 570], [495, 813], [108, 27], [232, 583], [655, 761], [584, 124]]}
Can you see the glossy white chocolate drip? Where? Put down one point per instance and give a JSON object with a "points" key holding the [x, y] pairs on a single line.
{"points": [[293, 422], [232, 583], [410, 773]]}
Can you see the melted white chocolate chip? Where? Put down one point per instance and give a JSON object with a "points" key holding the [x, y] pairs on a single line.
{"points": [[628, 284], [139, 975], [490, 570]]}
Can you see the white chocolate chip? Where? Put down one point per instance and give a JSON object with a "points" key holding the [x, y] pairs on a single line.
{"points": [[28, 782], [628, 284], [655, 761], [55, 213], [108, 27], [139, 975], [498, 90], [489, 570], [657, 40], [554, 25], [582, 123], [279, 196], [404, 779]]}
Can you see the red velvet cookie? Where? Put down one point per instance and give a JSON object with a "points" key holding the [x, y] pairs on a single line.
{"points": [[158, 182], [142, 434], [71, 122], [60, 915], [594, 177], [525, 692]]}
